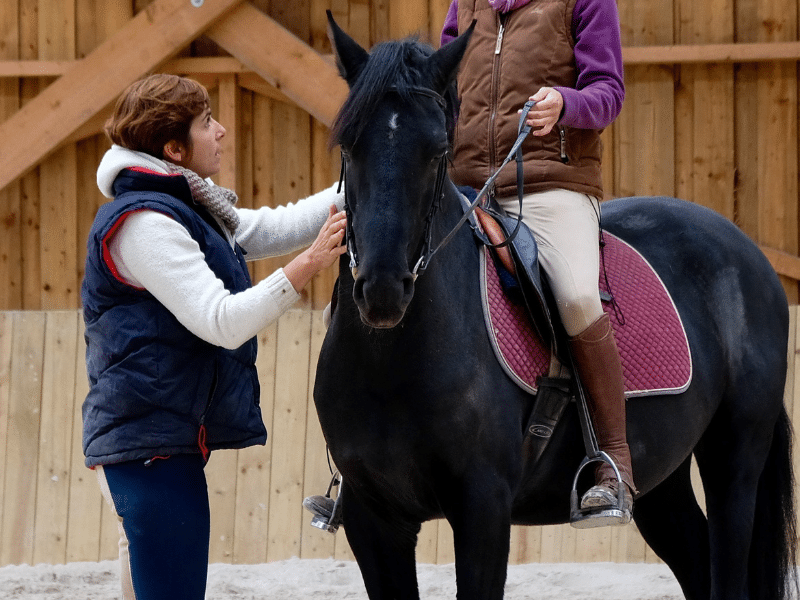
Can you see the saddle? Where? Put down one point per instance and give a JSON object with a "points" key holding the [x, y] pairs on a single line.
{"points": [[528, 338]]}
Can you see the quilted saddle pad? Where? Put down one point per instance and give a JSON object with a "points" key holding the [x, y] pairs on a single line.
{"points": [[652, 341]]}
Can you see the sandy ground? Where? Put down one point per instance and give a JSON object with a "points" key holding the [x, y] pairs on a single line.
{"points": [[297, 579]]}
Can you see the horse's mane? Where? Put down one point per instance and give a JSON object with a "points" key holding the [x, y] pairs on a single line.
{"points": [[398, 66]]}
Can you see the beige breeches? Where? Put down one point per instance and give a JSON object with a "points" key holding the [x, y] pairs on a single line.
{"points": [[565, 225]]}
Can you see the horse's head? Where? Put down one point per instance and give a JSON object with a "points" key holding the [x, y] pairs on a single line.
{"points": [[394, 132]]}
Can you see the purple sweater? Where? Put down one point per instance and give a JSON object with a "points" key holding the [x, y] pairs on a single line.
{"points": [[597, 98]]}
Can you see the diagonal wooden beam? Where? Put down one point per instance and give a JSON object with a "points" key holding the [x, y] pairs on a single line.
{"points": [[283, 60], [148, 39], [784, 263]]}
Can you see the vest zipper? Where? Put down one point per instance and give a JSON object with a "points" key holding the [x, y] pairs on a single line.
{"points": [[499, 43], [562, 133], [494, 97]]}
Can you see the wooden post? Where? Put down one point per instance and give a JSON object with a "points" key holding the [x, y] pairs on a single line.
{"points": [[644, 131], [10, 209], [315, 543], [288, 435], [55, 438], [22, 444], [254, 468], [776, 136], [6, 461], [85, 500], [229, 118]]}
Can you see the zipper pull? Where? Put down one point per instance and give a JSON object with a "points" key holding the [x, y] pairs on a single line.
{"points": [[500, 37], [563, 135]]}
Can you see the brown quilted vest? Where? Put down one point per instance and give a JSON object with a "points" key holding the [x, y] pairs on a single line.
{"points": [[508, 59]]}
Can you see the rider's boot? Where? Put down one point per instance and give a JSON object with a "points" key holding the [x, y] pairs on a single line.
{"points": [[600, 369]]}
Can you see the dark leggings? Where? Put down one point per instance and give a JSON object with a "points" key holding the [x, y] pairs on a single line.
{"points": [[165, 517]]}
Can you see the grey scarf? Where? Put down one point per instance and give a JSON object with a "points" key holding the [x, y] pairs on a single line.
{"points": [[218, 200]]}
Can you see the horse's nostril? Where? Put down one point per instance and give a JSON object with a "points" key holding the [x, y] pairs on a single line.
{"points": [[408, 286], [358, 290]]}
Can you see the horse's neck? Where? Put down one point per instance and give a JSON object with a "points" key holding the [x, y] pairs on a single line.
{"points": [[454, 265]]}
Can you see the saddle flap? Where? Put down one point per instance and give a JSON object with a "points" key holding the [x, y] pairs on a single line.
{"points": [[652, 341], [524, 255]]}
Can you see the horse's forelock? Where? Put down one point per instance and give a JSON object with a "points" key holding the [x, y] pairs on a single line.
{"points": [[396, 65]]}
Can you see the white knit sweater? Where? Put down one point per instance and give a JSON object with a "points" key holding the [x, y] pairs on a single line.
{"points": [[154, 252]]}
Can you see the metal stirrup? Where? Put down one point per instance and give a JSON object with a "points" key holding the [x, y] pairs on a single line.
{"points": [[331, 524], [593, 517]]}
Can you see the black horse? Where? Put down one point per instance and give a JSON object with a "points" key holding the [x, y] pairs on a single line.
{"points": [[423, 423]]}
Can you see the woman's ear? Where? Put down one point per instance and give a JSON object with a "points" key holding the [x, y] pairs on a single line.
{"points": [[173, 151]]}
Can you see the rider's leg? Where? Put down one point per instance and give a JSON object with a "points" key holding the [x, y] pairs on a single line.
{"points": [[566, 227], [598, 364]]}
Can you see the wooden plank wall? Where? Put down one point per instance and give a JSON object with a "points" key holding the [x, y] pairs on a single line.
{"points": [[723, 134], [51, 510]]}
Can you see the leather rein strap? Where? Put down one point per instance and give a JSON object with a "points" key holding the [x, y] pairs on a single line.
{"points": [[515, 152], [438, 194]]}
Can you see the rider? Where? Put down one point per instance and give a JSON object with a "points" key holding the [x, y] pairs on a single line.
{"points": [[569, 53]]}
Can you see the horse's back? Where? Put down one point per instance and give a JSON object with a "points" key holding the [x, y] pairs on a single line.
{"points": [[695, 249], [729, 296]]}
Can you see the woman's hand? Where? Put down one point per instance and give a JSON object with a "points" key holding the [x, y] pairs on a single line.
{"points": [[546, 112], [321, 254]]}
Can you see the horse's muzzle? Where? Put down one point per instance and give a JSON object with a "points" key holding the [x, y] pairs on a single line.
{"points": [[382, 300]]}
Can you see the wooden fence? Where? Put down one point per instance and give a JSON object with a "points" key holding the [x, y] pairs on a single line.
{"points": [[51, 510], [710, 114]]}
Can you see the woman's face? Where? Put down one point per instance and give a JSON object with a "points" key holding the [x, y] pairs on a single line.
{"points": [[205, 135]]}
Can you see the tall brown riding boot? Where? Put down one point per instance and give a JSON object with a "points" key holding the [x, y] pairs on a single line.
{"points": [[600, 369]]}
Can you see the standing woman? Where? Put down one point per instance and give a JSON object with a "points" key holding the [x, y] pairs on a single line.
{"points": [[566, 56], [171, 318]]}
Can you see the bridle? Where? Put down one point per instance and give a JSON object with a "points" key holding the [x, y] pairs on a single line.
{"points": [[428, 251]]}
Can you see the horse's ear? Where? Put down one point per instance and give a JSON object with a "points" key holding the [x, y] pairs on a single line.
{"points": [[444, 62], [350, 57]]}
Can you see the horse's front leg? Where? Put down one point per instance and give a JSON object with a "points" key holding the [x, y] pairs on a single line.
{"points": [[481, 522], [384, 549]]}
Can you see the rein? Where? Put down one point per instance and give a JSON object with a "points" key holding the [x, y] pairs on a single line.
{"points": [[428, 252], [516, 151]]}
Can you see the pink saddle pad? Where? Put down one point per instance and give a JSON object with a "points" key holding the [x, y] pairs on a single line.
{"points": [[655, 353]]}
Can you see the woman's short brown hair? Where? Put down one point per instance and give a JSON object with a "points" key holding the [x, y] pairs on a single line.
{"points": [[156, 110]]}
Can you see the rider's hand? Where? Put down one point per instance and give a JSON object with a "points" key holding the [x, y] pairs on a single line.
{"points": [[546, 112]]}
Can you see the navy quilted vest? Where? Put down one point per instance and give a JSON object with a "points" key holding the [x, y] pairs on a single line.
{"points": [[156, 389]]}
